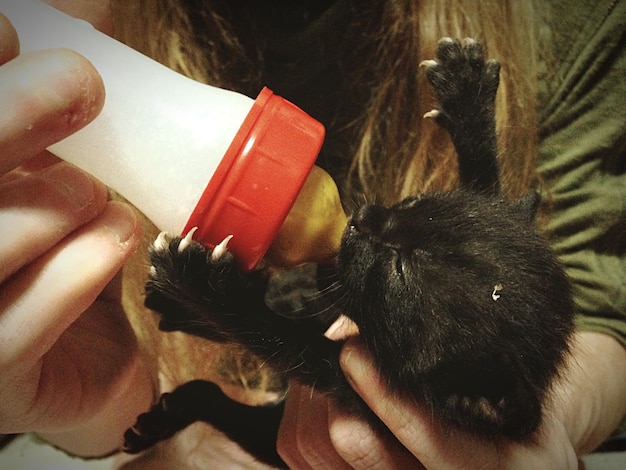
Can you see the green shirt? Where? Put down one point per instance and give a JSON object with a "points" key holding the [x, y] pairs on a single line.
{"points": [[582, 156]]}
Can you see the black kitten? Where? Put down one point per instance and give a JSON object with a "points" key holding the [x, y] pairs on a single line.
{"points": [[461, 304]]}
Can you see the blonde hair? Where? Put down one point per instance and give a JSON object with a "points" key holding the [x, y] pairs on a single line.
{"points": [[392, 151], [421, 158], [395, 152]]}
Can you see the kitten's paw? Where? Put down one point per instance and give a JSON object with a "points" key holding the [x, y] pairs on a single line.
{"points": [[254, 428], [167, 244], [190, 285], [164, 247], [151, 427], [199, 290], [464, 82], [176, 258], [173, 412]]}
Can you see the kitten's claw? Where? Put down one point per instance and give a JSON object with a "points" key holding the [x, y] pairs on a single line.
{"points": [[428, 63], [185, 242], [432, 114], [162, 242], [220, 249]]}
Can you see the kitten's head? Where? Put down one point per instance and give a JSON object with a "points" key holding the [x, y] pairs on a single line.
{"points": [[446, 269]]}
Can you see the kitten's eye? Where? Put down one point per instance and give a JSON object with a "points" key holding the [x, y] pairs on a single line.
{"points": [[400, 269]]}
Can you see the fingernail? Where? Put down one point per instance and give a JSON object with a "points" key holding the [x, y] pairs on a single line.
{"points": [[120, 220], [73, 183]]}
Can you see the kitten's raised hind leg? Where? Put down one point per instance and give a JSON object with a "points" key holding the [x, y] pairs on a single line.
{"points": [[466, 85], [254, 428]]}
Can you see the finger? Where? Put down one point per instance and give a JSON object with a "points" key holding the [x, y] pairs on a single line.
{"points": [[39, 210], [312, 435], [39, 162], [364, 447], [45, 96], [312, 444], [44, 298], [287, 444], [9, 44], [96, 12], [440, 446], [426, 438], [405, 420], [34, 164]]}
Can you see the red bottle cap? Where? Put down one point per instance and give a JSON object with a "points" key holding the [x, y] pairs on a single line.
{"points": [[258, 180]]}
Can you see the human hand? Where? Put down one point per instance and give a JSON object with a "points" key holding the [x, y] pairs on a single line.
{"points": [[67, 354], [316, 434]]}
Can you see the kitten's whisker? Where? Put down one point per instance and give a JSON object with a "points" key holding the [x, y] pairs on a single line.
{"points": [[331, 288], [326, 292], [334, 305]]}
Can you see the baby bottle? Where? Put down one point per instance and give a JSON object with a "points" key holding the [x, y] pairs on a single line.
{"points": [[191, 155]]}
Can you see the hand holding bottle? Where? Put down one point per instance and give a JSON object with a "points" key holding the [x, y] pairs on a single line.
{"points": [[67, 352]]}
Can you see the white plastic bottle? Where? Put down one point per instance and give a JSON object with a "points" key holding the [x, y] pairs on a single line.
{"points": [[184, 153]]}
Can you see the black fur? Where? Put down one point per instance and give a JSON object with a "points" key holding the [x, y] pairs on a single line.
{"points": [[200, 400], [461, 304]]}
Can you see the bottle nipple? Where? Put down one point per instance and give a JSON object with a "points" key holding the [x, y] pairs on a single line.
{"points": [[314, 227]]}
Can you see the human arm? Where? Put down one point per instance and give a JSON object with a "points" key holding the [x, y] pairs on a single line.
{"points": [[67, 354]]}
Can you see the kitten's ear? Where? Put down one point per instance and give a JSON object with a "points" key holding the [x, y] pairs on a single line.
{"points": [[528, 205]]}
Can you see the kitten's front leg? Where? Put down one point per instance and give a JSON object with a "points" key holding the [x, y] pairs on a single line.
{"points": [[203, 292], [466, 85]]}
